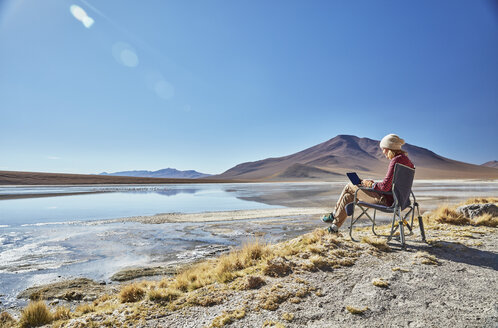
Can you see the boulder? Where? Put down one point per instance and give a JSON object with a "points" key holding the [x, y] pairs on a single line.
{"points": [[474, 210]]}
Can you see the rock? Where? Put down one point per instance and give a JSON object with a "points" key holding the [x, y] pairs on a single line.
{"points": [[473, 210], [90, 298], [69, 290], [132, 273]]}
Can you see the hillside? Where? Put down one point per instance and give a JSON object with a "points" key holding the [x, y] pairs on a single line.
{"points": [[344, 153], [41, 178], [491, 164]]}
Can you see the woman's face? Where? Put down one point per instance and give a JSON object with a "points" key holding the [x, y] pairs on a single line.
{"points": [[384, 151]]}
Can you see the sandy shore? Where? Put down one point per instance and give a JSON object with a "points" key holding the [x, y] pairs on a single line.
{"points": [[223, 216]]}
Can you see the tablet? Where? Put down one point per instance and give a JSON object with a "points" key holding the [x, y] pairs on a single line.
{"points": [[353, 177]]}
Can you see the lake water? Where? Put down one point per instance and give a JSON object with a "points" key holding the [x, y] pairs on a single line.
{"points": [[45, 239]]}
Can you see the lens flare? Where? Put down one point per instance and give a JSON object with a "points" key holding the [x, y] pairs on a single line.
{"points": [[125, 54], [81, 15]]}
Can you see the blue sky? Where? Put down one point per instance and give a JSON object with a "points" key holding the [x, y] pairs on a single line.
{"points": [[209, 84]]}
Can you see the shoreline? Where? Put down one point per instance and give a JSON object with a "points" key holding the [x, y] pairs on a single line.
{"points": [[221, 216]]}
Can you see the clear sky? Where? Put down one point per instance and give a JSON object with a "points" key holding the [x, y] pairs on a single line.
{"points": [[91, 86]]}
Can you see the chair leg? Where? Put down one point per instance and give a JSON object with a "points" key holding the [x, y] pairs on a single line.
{"points": [[351, 225], [420, 223], [373, 223], [406, 222], [392, 227], [401, 229], [353, 221]]}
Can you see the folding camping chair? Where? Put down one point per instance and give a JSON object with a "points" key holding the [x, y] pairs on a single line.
{"points": [[401, 191]]}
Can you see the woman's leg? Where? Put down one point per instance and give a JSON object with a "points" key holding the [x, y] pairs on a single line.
{"points": [[347, 196]]}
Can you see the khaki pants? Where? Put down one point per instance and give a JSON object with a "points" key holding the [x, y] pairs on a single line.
{"points": [[347, 196]]}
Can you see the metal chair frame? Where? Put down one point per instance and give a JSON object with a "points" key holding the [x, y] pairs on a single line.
{"points": [[395, 209]]}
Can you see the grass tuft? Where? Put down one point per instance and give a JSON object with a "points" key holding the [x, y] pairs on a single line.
{"points": [[35, 314], [6, 320], [62, 313], [276, 268], [254, 282], [380, 283], [271, 323], [228, 317], [426, 258], [131, 293], [84, 309], [287, 316], [479, 200], [447, 214], [355, 310], [380, 244], [163, 295], [486, 220]]}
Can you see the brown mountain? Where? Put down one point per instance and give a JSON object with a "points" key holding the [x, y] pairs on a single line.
{"points": [[491, 164], [330, 160]]}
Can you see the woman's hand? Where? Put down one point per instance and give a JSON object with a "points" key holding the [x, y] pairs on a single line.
{"points": [[367, 183]]}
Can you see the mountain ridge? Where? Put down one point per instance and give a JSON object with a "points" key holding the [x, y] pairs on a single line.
{"points": [[331, 159], [162, 173]]}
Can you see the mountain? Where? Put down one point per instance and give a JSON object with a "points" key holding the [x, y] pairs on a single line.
{"points": [[164, 173], [491, 164], [331, 159]]}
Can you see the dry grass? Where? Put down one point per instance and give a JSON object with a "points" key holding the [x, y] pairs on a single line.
{"points": [[399, 269], [271, 323], [163, 294], [447, 214], [228, 317], [6, 320], [277, 267], [35, 314], [380, 283], [62, 313], [426, 258], [486, 220], [379, 244], [223, 270], [355, 310], [102, 299], [254, 282], [84, 309], [131, 293], [479, 200], [287, 316]]}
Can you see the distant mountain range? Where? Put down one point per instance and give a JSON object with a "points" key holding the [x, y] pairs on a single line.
{"points": [[330, 160], [164, 173]]}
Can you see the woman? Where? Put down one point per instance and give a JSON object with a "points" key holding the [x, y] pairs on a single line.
{"points": [[391, 147]]}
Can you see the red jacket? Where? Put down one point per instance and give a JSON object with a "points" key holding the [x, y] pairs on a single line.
{"points": [[387, 184]]}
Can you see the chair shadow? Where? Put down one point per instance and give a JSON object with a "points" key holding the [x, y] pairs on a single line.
{"points": [[455, 252]]}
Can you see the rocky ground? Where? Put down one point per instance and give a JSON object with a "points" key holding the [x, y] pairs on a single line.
{"points": [[448, 284], [325, 280]]}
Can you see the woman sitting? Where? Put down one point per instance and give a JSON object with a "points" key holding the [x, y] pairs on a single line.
{"points": [[391, 147]]}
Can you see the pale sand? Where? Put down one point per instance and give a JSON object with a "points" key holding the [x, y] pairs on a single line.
{"points": [[224, 216]]}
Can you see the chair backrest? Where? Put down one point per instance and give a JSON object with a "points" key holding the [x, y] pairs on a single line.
{"points": [[402, 184]]}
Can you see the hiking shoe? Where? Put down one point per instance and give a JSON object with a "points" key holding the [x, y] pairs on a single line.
{"points": [[329, 218], [333, 228]]}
